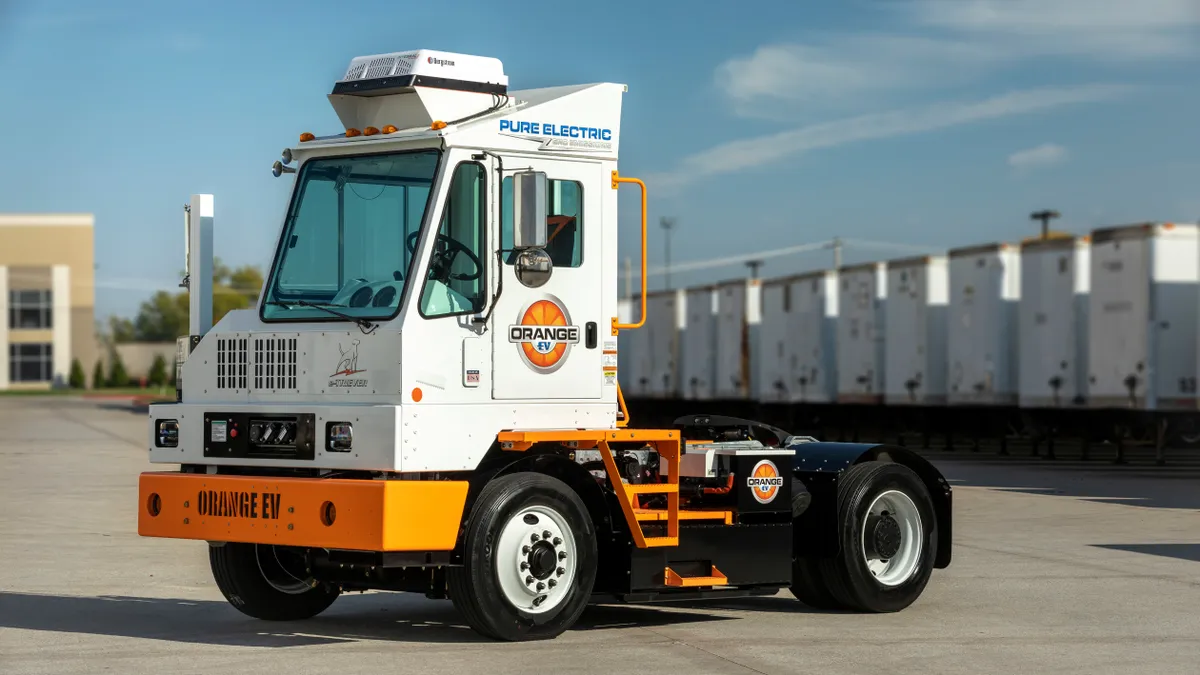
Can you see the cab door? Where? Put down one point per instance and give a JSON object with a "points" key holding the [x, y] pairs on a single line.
{"points": [[546, 339]]}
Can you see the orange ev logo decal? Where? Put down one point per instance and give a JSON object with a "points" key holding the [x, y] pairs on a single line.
{"points": [[544, 335], [764, 481]]}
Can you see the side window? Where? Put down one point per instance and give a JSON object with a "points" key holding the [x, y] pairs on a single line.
{"points": [[456, 283], [564, 222]]}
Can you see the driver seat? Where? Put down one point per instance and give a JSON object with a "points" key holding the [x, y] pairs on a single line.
{"points": [[560, 244]]}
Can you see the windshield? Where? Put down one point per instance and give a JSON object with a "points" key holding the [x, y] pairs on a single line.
{"points": [[351, 230]]}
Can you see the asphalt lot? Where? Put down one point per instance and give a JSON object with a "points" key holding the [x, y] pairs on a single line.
{"points": [[1062, 568]]}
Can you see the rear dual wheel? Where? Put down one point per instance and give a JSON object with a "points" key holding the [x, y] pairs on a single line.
{"points": [[887, 535], [529, 559]]}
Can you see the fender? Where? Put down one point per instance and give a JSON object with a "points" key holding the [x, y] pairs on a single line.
{"points": [[820, 467]]}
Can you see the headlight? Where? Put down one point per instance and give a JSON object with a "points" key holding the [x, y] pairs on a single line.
{"points": [[340, 436], [167, 435]]}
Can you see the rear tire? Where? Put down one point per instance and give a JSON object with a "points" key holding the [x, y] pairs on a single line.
{"points": [[887, 540], [268, 582], [529, 559], [891, 578]]}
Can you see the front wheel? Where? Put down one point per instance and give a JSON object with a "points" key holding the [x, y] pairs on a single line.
{"points": [[887, 535], [269, 582], [529, 559]]}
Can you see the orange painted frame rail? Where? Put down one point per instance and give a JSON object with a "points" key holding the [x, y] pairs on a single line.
{"points": [[670, 449]]}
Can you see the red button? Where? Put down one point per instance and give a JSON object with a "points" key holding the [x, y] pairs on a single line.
{"points": [[233, 433]]}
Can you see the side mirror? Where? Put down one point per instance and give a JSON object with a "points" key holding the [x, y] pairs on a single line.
{"points": [[529, 210]]}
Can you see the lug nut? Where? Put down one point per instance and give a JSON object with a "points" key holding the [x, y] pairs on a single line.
{"points": [[524, 566], [529, 580], [533, 538], [561, 571], [562, 555], [546, 534], [557, 541], [552, 583], [541, 586], [525, 550]]}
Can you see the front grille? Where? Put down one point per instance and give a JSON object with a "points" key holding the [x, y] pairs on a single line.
{"points": [[274, 363], [231, 363]]}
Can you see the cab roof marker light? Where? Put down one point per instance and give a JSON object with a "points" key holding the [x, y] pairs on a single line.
{"points": [[306, 137]]}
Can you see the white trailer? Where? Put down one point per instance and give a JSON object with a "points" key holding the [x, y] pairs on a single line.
{"points": [[425, 398], [664, 329], [739, 318], [861, 331], [916, 357], [773, 347], [698, 367], [985, 286], [1142, 325], [1053, 322]]}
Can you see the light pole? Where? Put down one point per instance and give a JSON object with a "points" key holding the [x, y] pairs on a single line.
{"points": [[1045, 217], [667, 225]]}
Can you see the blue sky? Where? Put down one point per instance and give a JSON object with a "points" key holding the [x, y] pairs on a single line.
{"points": [[758, 125]]}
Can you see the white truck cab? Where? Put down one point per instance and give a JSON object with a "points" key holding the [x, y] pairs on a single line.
{"points": [[397, 290], [426, 399]]}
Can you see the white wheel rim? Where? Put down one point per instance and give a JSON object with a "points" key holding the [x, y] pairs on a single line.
{"points": [[529, 542], [897, 507]]}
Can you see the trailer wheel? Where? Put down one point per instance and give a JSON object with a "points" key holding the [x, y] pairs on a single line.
{"points": [[269, 582], [888, 538], [529, 559]]}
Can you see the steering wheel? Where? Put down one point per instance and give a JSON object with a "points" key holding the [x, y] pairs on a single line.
{"points": [[445, 251]]}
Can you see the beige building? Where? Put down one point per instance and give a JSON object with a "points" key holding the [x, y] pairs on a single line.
{"points": [[47, 299]]}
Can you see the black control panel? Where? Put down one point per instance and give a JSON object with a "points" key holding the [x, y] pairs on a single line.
{"points": [[259, 436]]}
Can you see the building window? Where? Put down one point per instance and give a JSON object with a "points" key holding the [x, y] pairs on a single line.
{"points": [[30, 362], [30, 309]]}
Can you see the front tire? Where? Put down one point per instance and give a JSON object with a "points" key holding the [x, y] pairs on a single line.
{"points": [[529, 559], [268, 582]]}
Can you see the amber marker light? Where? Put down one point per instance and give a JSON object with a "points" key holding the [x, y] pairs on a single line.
{"points": [[389, 129], [305, 137], [370, 131], [351, 133]]}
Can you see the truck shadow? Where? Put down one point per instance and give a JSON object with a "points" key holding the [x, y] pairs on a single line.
{"points": [[374, 616]]}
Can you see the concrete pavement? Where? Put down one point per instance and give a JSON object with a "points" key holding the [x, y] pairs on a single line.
{"points": [[1056, 571]]}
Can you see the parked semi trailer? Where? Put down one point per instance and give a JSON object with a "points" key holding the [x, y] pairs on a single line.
{"points": [[426, 397]]}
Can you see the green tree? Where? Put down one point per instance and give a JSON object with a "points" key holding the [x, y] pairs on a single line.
{"points": [[117, 377], [121, 329], [164, 317], [158, 371], [98, 376], [77, 380]]}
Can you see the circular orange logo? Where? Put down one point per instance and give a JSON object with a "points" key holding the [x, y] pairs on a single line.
{"points": [[765, 481], [544, 335]]}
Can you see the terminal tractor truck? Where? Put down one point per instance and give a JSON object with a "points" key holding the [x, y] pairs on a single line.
{"points": [[425, 398]]}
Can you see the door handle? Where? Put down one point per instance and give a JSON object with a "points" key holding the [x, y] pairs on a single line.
{"points": [[590, 335]]}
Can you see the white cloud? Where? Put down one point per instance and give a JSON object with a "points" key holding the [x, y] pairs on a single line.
{"points": [[763, 150], [938, 45], [1100, 29], [1042, 155]]}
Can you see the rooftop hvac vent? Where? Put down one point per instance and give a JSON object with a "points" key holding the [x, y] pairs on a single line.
{"points": [[398, 72]]}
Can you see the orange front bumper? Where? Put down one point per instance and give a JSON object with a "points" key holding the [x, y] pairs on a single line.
{"points": [[366, 515]]}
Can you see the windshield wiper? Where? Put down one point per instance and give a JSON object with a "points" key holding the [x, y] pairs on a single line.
{"points": [[365, 326]]}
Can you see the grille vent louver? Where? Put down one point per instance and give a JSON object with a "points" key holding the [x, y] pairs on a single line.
{"points": [[231, 363], [274, 363]]}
